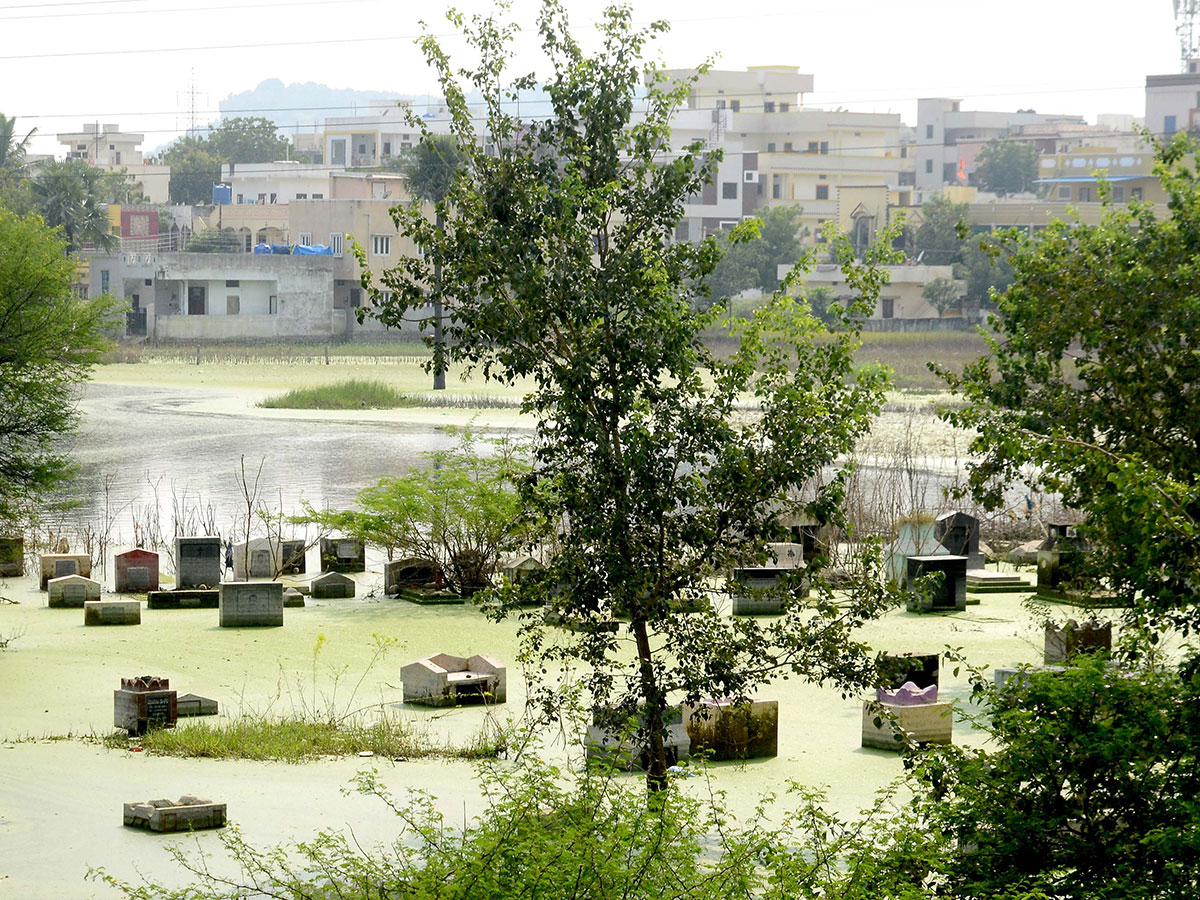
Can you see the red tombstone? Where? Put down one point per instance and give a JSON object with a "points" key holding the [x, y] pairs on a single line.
{"points": [[137, 571]]}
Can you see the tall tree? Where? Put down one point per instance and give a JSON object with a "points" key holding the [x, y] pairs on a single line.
{"points": [[12, 149], [942, 294], [196, 161], [560, 271], [1006, 167], [48, 341], [70, 196], [937, 241]]}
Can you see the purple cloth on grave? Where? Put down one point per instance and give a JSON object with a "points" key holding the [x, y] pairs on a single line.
{"points": [[907, 695]]}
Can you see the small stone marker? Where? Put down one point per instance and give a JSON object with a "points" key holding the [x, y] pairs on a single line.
{"points": [[292, 598], [188, 814], [71, 591], [136, 571], [251, 604], [193, 705], [950, 594], [189, 599], [197, 562], [343, 555], [57, 565], [726, 730], [12, 557], [332, 586], [144, 701], [112, 612]]}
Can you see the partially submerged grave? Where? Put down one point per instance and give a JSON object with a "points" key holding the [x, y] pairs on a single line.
{"points": [[58, 565], [185, 814], [197, 562], [251, 604], [136, 571], [112, 612], [445, 680], [333, 586], [71, 592], [722, 729], [906, 716], [12, 557], [343, 555], [950, 592], [620, 743], [144, 701]]}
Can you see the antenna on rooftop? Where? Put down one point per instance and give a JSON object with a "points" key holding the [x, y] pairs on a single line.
{"points": [[1187, 14]]}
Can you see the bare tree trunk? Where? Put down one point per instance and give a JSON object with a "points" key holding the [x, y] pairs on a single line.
{"points": [[439, 348]]}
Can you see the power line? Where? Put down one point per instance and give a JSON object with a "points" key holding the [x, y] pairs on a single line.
{"points": [[175, 9], [251, 46]]}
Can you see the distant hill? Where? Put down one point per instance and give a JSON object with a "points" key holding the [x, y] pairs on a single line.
{"points": [[303, 107]]}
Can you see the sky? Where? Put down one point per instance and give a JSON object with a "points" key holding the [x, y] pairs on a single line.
{"points": [[134, 62]]}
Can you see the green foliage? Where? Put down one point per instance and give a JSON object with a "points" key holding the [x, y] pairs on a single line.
{"points": [[983, 269], [48, 342], [1089, 390], [211, 240], [936, 240], [560, 269], [459, 514], [942, 294], [430, 167], [354, 393], [1088, 788], [754, 263], [14, 188], [196, 161], [70, 196], [1006, 167], [195, 168]]}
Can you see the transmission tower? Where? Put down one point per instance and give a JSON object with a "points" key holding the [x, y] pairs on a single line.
{"points": [[1187, 25], [191, 94]]}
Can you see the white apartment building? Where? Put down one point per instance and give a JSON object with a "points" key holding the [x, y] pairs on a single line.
{"points": [[382, 133], [267, 184], [1173, 101], [111, 149]]}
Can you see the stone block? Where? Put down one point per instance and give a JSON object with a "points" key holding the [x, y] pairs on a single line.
{"points": [[142, 702], [291, 555], [57, 565], [71, 591], [951, 594], [1062, 643], [343, 555], [445, 680], [189, 599], [292, 598], [251, 604], [12, 557], [621, 746], [256, 558], [958, 532], [921, 669], [1002, 675], [985, 581], [193, 705], [198, 562], [332, 586], [409, 573], [928, 723], [166, 816], [112, 612], [725, 730], [136, 571]]}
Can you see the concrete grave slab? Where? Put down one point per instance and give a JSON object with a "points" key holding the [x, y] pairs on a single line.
{"points": [[292, 598], [926, 723], [167, 816], [445, 680], [189, 705], [56, 565], [409, 572], [71, 591], [725, 730], [951, 594], [188, 599], [333, 586], [251, 604], [608, 742], [136, 571], [112, 612]]}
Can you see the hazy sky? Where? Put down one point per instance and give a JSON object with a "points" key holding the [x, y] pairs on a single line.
{"points": [[131, 61]]}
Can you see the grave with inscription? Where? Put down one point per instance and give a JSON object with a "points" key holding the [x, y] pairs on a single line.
{"points": [[167, 816], [136, 571], [332, 586], [949, 594], [343, 555], [71, 591], [257, 558], [958, 532], [251, 604], [291, 557], [914, 537], [56, 565], [144, 701], [112, 612], [197, 562], [12, 557]]}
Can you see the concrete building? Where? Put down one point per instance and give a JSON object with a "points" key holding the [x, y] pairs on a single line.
{"points": [[384, 132], [1074, 177], [114, 150], [901, 298], [1173, 101]]}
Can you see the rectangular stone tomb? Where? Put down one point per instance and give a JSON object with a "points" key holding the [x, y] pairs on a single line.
{"points": [[291, 557], [1063, 643], [251, 604], [293, 598], [958, 532], [343, 555], [197, 562], [12, 557], [190, 599], [409, 573], [921, 669], [950, 594], [136, 571], [71, 591], [985, 581], [924, 723], [56, 565], [142, 702], [445, 680], [112, 612], [188, 814], [332, 586], [193, 705], [624, 749], [725, 730], [1002, 675]]}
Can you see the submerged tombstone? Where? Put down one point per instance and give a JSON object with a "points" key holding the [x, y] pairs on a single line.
{"points": [[951, 593], [1058, 557], [12, 557], [71, 591], [292, 598], [291, 557], [255, 558], [333, 586], [921, 669], [166, 816], [136, 571], [197, 562], [112, 612], [251, 604], [343, 555], [723, 730], [193, 705], [144, 701], [410, 572], [56, 565], [958, 532], [192, 598], [913, 538], [445, 680], [905, 716], [619, 742], [809, 532], [1064, 642], [785, 560]]}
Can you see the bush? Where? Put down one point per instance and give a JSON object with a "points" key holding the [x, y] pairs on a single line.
{"points": [[351, 394]]}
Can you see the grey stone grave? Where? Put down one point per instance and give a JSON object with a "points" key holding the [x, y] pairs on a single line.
{"points": [[958, 532], [343, 555], [445, 680], [144, 701], [333, 586], [112, 612], [906, 716], [193, 705], [136, 571], [56, 565], [725, 730], [251, 604], [786, 559], [618, 743], [188, 599], [950, 594], [71, 592], [293, 598], [197, 562], [12, 557], [291, 554], [408, 573], [167, 816], [256, 558]]}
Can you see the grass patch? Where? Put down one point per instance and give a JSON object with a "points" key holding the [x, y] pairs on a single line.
{"points": [[298, 740], [355, 393]]}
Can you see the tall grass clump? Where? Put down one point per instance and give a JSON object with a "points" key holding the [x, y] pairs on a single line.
{"points": [[354, 393]]}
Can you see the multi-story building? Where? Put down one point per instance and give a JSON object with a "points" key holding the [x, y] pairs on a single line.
{"points": [[383, 133], [1173, 101], [113, 150]]}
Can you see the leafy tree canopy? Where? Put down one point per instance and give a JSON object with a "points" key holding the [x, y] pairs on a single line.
{"points": [[754, 263], [936, 241], [942, 294], [196, 161], [1007, 167], [71, 195]]}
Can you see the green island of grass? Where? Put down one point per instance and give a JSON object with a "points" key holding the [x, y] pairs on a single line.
{"points": [[354, 393]]}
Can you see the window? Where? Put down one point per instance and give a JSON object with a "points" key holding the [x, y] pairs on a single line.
{"points": [[929, 167], [274, 197], [381, 244], [904, 153], [1169, 125], [1085, 195], [887, 307], [118, 159], [813, 146], [1119, 194], [928, 132], [318, 196], [302, 196], [112, 146], [305, 239], [787, 147], [776, 191], [104, 281], [362, 148], [241, 198], [720, 104], [272, 305], [233, 305], [387, 148], [729, 190], [784, 107], [824, 147], [1064, 192], [736, 105], [768, 106], [335, 242], [822, 192], [385, 297], [81, 146], [233, 282], [1135, 193], [262, 198], [770, 146]]}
